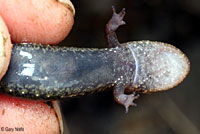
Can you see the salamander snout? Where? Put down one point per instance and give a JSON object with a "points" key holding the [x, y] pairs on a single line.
{"points": [[159, 66]]}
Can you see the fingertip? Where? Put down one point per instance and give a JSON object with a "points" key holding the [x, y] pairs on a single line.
{"points": [[30, 116], [5, 48], [38, 21]]}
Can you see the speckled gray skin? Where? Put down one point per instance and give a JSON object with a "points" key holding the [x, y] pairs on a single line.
{"points": [[50, 73], [158, 66]]}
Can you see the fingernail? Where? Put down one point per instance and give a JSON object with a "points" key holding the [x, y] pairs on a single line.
{"points": [[2, 51], [69, 5], [59, 116]]}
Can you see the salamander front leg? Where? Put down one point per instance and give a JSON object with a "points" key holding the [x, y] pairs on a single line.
{"points": [[112, 25], [124, 99]]}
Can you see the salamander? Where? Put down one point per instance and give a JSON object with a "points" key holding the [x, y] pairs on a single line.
{"points": [[52, 73]]}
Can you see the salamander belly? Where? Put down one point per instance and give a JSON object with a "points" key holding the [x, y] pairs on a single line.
{"points": [[44, 72]]}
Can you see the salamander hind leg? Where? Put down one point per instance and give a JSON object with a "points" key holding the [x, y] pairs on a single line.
{"points": [[112, 25], [124, 99]]}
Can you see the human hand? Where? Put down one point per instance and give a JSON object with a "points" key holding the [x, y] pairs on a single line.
{"points": [[37, 21]]}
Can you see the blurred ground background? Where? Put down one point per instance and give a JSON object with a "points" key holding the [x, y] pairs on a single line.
{"points": [[175, 111]]}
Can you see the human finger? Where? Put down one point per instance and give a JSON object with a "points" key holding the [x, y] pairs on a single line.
{"points": [[38, 21]]}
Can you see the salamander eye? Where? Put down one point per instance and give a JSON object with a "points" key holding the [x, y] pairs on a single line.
{"points": [[159, 66]]}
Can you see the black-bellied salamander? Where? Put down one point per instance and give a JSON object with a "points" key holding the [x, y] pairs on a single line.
{"points": [[53, 73]]}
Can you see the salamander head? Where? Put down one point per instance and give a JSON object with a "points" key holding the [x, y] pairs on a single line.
{"points": [[159, 66]]}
